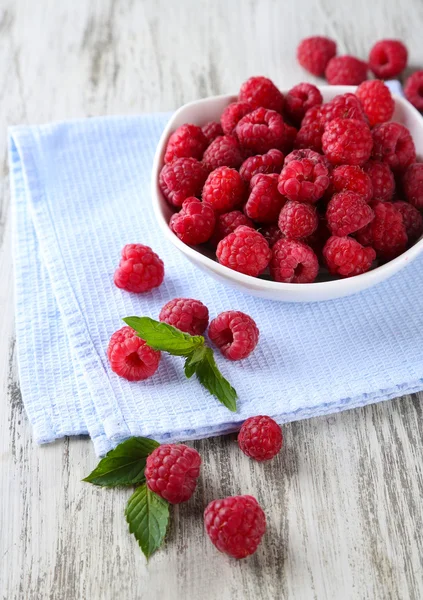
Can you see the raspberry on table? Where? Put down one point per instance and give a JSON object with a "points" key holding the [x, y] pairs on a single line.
{"points": [[393, 144], [413, 89], [376, 100], [187, 141], [412, 219], [130, 357], [140, 269], [297, 220], [271, 233], [386, 233], [224, 151], [212, 130], [314, 53], [260, 131], [309, 137], [412, 182], [245, 250], [347, 141], [234, 333], [271, 162], [186, 314], [194, 224], [343, 106], [293, 262], [172, 470], [344, 256], [299, 99], [182, 178], [264, 202], [261, 92], [388, 58], [304, 180], [382, 178], [232, 114], [224, 189], [352, 178], [260, 438], [346, 70], [347, 212], [226, 223]]}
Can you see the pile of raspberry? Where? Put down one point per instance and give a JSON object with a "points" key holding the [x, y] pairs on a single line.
{"points": [[289, 187]]}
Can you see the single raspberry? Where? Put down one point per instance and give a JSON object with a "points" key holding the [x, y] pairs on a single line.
{"points": [[412, 219], [172, 470], [224, 151], [271, 162], [264, 202], [304, 180], [140, 269], [314, 53], [187, 141], [293, 262], [245, 250], [226, 223], [297, 220], [272, 234], [412, 182], [388, 58], [260, 438], [352, 178], [212, 130], [260, 131], [346, 70], [234, 333], [344, 256], [348, 212], [186, 314], [261, 92], [232, 114], [315, 157], [376, 100], [224, 189], [290, 135], [393, 144], [312, 115], [309, 137], [413, 89], [343, 106], [347, 141], [386, 233], [194, 224], [182, 178], [382, 178], [130, 357], [299, 99]]}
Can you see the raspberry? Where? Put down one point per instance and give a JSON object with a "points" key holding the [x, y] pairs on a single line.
{"points": [[172, 470], [386, 233], [272, 234], [299, 99], [260, 131], [293, 262], [260, 438], [309, 137], [290, 135], [412, 219], [234, 333], [315, 157], [343, 106], [347, 141], [413, 89], [412, 182], [352, 178], [226, 223], [130, 357], [297, 220], [382, 179], [312, 115], [194, 224], [264, 202], [314, 53], [224, 151], [304, 180], [346, 70], [245, 250], [224, 189], [344, 256], [182, 178], [186, 314], [140, 269], [347, 212], [388, 58], [212, 130], [393, 144], [271, 162], [187, 141], [232, 114], [261, 92], [376, 100]]}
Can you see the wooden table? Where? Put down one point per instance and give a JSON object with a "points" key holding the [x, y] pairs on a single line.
{"points": [[344, 499]]}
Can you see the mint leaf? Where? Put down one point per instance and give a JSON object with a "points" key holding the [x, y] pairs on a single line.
{"points": [[191, 362], [161, 336], [124, 465], [212, 379], [148, 517]]}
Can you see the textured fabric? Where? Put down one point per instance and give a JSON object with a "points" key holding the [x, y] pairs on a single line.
{"points": [[80, 191]]}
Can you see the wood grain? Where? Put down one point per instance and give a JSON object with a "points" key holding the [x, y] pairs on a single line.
{"points": [[344, 500]]}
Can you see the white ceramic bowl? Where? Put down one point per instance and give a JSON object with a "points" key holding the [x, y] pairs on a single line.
{"points": [[210, 109]]}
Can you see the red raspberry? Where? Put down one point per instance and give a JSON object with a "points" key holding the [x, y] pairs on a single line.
{"points": [[314, 53], [172, 470], [187, 141], [182, 178], [261, 92], [140, 269], [309, 137], [382, 179], [271, 162], [232, 114], [227, 223], [224, 151], [130, 357], [260, 131], [212, 130], [245, 250], [194, 224], [344, 256], [393, 144], [352, 178], [412, 219], [264, 202], [347, 141], [347, 212], [346, 70], [304, 180], [413, 89], [388, 58], [297, 220], [290, 135], [260, 438], [272, 234], [299, 99], [293, 262], [315, 157], [343, 106], [386, 233], [224, 189], [186, 314], [377, 101], [312, 115], [234, 333], [412, 182]]}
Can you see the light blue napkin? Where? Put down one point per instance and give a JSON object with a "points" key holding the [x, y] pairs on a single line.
{"points": [[80, 191]]}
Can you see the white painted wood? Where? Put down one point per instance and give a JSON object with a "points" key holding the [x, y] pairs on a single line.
{"points": [[345, 498]]}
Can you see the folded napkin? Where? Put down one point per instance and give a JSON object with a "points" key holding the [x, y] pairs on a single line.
{"points": [[80, 191]]}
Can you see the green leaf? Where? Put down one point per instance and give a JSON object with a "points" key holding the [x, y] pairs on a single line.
{"points": [[161, 336], [191, 362], [148, 517], [124, 465], [212, 379]]}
